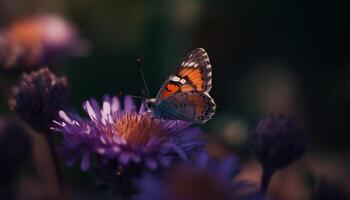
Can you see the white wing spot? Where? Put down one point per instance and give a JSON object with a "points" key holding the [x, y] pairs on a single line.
{"points": [[176, 79], [187, 64], [191, 64], [182, 81]]}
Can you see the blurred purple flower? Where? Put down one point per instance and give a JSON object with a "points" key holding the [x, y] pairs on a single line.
{"points": [[38, 98], [276, 142], [126, 135], [39, 40], [203, 179]]}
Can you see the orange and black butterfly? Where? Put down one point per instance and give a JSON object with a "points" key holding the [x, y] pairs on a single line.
{"points": [[185, 94]]}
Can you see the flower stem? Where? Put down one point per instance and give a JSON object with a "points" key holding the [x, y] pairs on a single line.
{"points": [[265, 179], [55, 160]]}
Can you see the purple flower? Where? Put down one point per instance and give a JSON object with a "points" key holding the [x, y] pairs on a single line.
{"points": [[128, 135], [276, 142], [203, 179], [126, 141], [38, 98], [34, 41]]}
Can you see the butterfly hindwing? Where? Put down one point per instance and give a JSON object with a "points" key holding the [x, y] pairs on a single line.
{"points": [[192, 106]]}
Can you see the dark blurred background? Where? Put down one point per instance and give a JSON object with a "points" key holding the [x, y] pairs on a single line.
{"points": [[288, 57]]}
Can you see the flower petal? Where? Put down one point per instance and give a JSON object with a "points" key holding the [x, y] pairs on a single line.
{"points": [[151, 163], [129, 105], [72, 159], [85, 161], [142, 108], [115, 104], [124, 158]]}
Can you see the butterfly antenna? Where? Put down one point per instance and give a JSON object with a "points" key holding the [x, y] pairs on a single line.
{"points": [[143, 77], [137, 97]]}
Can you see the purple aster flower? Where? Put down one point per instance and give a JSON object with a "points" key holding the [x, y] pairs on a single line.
{"points": [[125, 141], [39, 97], [276, 142], [203, 179]]}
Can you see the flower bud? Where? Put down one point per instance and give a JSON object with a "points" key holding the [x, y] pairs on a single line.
{"points": [[39, 97], [278, 141]]}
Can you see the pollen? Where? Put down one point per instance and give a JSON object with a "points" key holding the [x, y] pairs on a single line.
{"points": [[139, 129]]}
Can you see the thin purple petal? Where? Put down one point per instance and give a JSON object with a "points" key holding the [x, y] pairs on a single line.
{"points": [[85, 161], [129, 105]]}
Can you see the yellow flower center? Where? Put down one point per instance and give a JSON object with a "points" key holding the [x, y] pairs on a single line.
{"points": [[139, 128]]}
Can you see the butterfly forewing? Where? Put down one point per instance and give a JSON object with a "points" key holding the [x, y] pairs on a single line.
{"points": [[193, 74], [196, 69]]}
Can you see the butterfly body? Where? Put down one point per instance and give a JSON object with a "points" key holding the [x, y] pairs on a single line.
{"points": [[185, 94]]}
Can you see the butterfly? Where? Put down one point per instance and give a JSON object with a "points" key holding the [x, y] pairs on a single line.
{"points": [[185, 94]]}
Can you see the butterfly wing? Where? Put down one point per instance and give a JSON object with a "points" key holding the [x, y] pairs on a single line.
{"points": [[193, 106], [196, 69], [185, 94], [194, 73]]}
